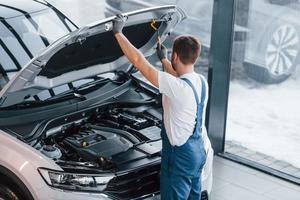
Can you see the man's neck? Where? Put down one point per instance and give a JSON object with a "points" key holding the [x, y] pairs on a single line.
{"points": [[186, 70]]}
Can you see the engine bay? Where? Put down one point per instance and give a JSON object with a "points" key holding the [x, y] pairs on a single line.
{"points": [[111, 139]]}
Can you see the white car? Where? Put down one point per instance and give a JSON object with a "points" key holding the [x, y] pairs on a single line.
{"points": [[77, 123]]}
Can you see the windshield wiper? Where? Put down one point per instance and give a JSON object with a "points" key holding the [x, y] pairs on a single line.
{"points": [[49, 101], [74, 91], [67, 95], [92, 83]]}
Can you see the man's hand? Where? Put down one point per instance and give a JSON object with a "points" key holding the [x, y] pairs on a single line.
{"points": [[118, 23], [161, 51]]}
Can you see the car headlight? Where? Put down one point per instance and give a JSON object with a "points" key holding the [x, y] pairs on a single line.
{"points": [[73, 181]]}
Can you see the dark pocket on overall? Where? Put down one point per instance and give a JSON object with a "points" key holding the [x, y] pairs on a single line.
{"points": [[188, 158]]}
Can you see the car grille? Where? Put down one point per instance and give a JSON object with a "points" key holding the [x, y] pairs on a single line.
{"points": [[135, 185]]}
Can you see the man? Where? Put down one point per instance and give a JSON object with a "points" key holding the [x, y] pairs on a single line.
{"points": [[184, 99]]}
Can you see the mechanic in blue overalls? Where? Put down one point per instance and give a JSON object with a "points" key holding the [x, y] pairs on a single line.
{"points": [[184, 95]]}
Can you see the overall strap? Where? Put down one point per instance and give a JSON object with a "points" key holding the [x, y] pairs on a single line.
{"points": [[193, 88], [200, 105], [203, 90]]}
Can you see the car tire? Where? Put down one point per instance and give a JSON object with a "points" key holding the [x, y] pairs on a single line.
{"points": [[281, 44], [6, 193], [11, 187]]}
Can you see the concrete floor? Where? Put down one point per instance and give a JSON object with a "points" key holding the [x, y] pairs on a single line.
{"points": [[236, 148], [233, 181]]}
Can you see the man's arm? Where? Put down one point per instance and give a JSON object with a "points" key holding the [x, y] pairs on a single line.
{"points": [[133, 54], [137, 59]]}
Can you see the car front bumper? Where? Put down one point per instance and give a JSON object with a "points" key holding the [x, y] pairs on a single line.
{"points": [[47, 193]]}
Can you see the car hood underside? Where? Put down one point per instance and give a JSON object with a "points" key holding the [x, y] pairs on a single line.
{"points": [[89, 51]]}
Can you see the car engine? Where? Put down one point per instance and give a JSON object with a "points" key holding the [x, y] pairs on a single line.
{"points": [[107, 140]]}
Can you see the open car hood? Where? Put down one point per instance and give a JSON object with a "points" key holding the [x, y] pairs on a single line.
{"points": [[89, 51]]}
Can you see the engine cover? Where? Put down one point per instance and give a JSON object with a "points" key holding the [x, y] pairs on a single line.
{"points": [[92, 144]]}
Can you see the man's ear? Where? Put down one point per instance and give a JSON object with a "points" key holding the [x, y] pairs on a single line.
{"points": [[177, 59], [175, 56]]}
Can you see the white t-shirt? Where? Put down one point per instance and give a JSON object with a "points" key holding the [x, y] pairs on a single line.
{"points": [[180, 107]]}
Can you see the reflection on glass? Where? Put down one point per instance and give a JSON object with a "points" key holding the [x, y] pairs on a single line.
{"points": [[28, 33], [263, 112], [197, 23], [50, 26], [6, 61], [22, 37], [13, 46]]}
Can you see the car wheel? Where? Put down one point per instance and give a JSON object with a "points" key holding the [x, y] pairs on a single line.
{"points": [[7, 193], [281, 46]]}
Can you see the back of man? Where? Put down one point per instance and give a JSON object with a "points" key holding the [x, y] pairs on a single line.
{"points": [[183, 153], [184, 101], [179, 105]]}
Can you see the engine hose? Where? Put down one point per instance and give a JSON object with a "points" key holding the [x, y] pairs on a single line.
{"points": [[122, 133]]}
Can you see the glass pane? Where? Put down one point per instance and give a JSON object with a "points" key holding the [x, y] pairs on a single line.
{"points": [[3, 81], [27, 33], [23, 37], [20, 39], [81, 12], [198, 23], [6, 61], [50, 25], [10, 75], [263, 112], [13, 46], [70, 25]]}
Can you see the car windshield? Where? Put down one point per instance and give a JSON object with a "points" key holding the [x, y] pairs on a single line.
{"points": [[22, 37], [67, 89]]}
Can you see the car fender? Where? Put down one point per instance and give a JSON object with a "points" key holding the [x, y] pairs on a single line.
{"points": [[23, 161]]}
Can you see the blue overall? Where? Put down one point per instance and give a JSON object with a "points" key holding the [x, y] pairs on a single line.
{"points": [[181, 166]]}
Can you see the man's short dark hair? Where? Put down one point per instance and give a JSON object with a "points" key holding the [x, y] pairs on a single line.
{"points": [[187, 48]]}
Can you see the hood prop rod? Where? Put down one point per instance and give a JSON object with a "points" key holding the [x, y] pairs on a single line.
{"points": [[153, 25]]}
